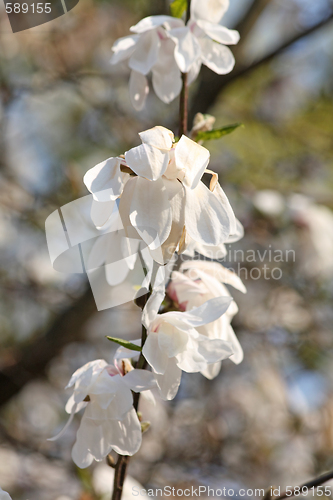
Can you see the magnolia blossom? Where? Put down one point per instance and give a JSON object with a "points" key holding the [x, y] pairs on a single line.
{"points": [[174, 342], [166, 47], [109, 421], [201, 281], [163, 200], [4, 495]]}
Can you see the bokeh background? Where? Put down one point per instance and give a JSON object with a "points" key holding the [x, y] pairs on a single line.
{"points": [[64, 108]]}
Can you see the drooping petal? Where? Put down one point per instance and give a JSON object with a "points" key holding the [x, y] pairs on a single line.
{"points": [[157, 359], [219, 33], [167, 82], [151, 309], [237, 235], [105, 181], [151, 22], [217, 57], [218, 191], [191, 361], [214, 350], [150, 212], [206, 220], [146, 52], [158, 137], [169, 382], [138, 90], [238, 355], [187, 49], [212, 370], [147, 161], [125, 435], [215, 271], [80, 454], [139, 380], [193, 158], [123, 48], [212, 11], [102, 211]]}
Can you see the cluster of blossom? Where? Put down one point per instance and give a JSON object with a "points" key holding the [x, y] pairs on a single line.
{"points": [[152, 201], [164, 46]]}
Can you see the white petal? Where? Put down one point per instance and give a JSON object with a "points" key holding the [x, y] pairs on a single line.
{"points": [[168, 383], [217, 271], [191, 361], [212, 370], [87, 374], [193, 158], [218, 191], [150, 211], [238, 234], [138, 90], [214, 350], [152, 307], [212, 11], [157, 359], [217, 57], [68, 423], [219, 33], [187, 49], [126, 436], [139, 380], [105, 180], [147, 161], [158, 137], [166, 80], [206, 313], [80, 454], [4, 495], [102, 211], [194, 71], [152, 22], [206, 220], [125, 208], [123, 48], [146, 52], [171, 340]]}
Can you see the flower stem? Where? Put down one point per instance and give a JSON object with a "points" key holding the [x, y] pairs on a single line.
{"points": [[183, 104]]}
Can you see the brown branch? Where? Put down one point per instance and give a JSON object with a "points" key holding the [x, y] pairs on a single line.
{"points": [[31, 360], [310, 484], [211, 85], [183, 103]]}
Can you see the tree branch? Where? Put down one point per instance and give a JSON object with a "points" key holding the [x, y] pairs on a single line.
{"points": [[211, 85], [310, 484]]}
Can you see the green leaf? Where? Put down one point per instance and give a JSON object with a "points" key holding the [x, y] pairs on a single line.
{"points": [[125, 343], [178, 7], [217, 133]]}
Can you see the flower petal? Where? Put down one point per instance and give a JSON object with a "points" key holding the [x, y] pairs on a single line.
{"points": [[126, 436], [139, 380], [157, 359], [193, 158], [158, 137], [123, 48], [168, 383], [212, 370], [105, 181], [206, 220], [152, 22], [218, 191], [237, 235], [152, 307], [138, 90], [194, 71], [171, 340], [217, 57], [214, 350], [147, 161], [187, 49], [150, 212], [212, 11], [146, 52], [219, 33], [167, 82], [238, 355]]}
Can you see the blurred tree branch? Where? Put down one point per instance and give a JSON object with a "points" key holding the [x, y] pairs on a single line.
{"points": [[31, 361], [310, 484], [211, 84]]}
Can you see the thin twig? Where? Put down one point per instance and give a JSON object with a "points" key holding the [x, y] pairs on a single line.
{"points": [[310, 484], [183, 103]]}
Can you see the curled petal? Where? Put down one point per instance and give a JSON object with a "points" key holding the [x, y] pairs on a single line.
{"points": [[219, 33], [147, 161], [158, 137], [168, 383], [123, 48], [138, 89], [105, 181], [217, 57], [151, 22], [187, 49], [193, 158]]}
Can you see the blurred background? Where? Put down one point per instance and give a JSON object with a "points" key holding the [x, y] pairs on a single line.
{"points": [[64, 108]]}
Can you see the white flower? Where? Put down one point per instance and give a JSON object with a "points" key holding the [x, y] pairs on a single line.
{"points": [[165, 200], [174, 343], [165, 46], [109, 421], [201, 281], [4, 495]]}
